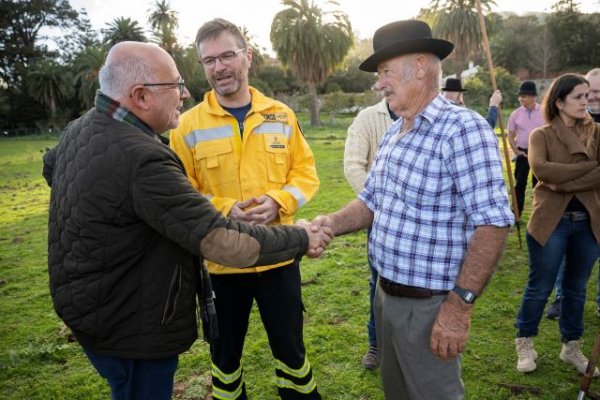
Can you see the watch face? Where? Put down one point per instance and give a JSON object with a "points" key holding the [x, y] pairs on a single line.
{"points": [[467, 296]]}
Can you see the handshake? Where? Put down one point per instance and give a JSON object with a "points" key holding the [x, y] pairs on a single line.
{"points": [[320, 233]]}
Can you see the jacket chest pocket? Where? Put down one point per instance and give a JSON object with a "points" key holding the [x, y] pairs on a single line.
{"points": [[276, 148], [215, 162]]}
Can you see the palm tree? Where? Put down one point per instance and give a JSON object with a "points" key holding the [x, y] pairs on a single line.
{"points": [[311, 43], [192, 72], [122, 29], [458, 22], [164, 23], [258, 59], [87, 66], [48, 83]]}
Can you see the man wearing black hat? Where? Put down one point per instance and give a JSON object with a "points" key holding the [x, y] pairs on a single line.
{"points": [[520, 124], [453, 92], [438, 210]]}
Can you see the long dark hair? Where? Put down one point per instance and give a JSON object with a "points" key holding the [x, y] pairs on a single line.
{"points": [[559, 89]]}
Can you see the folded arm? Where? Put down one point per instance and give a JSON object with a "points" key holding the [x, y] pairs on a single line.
{"points": [[553, 172]]}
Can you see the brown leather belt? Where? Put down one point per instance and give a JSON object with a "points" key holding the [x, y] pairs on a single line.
{"points": [[413, 292]]}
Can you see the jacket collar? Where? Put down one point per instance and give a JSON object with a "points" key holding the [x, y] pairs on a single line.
{"points": [[117, 111], [259, 102], [566, 135]]}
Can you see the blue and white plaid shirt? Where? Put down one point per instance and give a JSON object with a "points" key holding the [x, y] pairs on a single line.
{"points": [[429, 190]]}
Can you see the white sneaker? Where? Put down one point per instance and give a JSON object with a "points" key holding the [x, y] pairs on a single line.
{"points": [[526, 354], [571, 354]]}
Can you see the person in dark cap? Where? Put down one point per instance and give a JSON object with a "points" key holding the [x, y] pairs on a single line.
{"points": [[438, 210], [520, 124], [453, 92]]}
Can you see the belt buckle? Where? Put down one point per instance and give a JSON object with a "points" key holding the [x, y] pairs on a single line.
{"points": [[575, 216]]}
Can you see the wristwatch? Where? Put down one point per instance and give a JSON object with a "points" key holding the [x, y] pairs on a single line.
{"points": [[465, 294]]}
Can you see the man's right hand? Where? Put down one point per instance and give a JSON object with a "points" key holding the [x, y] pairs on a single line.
{"points": [[238, 213], [496, 99], [318, 238], [321, 221]]}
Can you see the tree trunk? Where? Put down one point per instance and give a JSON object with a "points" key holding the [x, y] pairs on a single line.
{"points": [[52, 113], [315, 119], [459, 63]]}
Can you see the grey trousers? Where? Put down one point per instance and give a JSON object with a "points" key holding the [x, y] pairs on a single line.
{"points": [[409, 369]]}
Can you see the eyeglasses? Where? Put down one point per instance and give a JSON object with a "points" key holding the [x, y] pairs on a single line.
{"points": [[180, 84], [225, 58]]}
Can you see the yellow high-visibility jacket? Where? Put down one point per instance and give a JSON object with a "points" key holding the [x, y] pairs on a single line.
{"points": [[271, 157]]}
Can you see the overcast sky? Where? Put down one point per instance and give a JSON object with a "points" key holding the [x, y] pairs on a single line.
{"points": [[256, 15]]}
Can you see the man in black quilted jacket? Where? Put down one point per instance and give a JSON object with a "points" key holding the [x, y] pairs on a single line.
{"points": [[127, 231]]}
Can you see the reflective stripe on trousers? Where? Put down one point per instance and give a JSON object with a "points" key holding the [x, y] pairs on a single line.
{"points": [[299, 380], [227, 386]]}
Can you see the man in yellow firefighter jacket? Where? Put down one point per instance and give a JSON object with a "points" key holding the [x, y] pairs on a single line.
{"points": [[247, 154]]}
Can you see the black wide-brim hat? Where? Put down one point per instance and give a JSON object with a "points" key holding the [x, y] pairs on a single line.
{"points": [[404, 37], [453, 85], [528, 88]]}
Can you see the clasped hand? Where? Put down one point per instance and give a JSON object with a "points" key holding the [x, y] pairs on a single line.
{"points": [[264, 211], [319, 237]]}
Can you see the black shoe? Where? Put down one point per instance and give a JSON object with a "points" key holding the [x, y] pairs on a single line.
{"points": [[553, 311]]}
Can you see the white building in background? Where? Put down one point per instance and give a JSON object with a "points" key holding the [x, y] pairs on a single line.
{"points": [[465, 74]]}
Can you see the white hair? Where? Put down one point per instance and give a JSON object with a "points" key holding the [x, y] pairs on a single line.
{"points": [[117, 77], [592, 73], [433, 69]]}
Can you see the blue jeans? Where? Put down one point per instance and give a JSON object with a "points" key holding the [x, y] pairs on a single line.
{"points": [[598, 293], [559, 278], [575, 240], [372, 287], [132, 379], [371, 323]]}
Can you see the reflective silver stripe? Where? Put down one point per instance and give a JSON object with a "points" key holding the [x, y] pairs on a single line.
{"points": [[225, 395], [298, 373], [273, 127], [203, 135], [294, 191], [301, 372], [226, 378], [208, 196], [304, 389], [222, 394]]}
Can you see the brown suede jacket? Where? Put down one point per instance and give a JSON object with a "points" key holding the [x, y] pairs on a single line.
{"points": [[566, 166]]}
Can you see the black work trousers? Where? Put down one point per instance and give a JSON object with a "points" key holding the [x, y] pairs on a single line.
{"points": [[277, 293], [521, 177]]}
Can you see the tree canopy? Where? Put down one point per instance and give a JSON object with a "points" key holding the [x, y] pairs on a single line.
{"points": [[311, 42], [50, 55]]}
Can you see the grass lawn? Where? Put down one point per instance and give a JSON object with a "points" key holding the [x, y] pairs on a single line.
{"points": [[37, 360]]}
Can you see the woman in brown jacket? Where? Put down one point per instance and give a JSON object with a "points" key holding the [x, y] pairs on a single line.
{"points": [[565, 221]]}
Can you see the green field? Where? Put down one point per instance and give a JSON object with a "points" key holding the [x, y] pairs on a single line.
{"points": [[37, 360]]}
